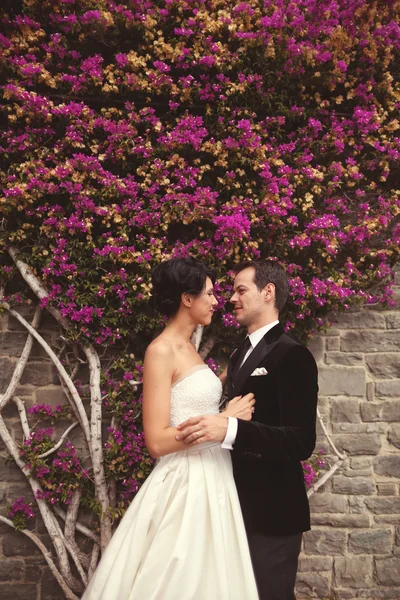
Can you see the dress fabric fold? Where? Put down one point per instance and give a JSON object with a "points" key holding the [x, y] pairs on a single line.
{"points": [[182, 537]]}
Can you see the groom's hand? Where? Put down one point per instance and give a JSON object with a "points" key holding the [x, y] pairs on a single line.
{"points": [[205, 428]]}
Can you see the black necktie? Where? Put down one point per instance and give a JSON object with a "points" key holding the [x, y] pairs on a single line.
{"points": [[242, 351]]}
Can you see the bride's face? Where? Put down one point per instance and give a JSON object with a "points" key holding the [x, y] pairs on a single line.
{"points": [[204, 305]]}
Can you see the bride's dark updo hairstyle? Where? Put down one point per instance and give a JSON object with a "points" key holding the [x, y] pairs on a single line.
{"points": [[177, 276]]}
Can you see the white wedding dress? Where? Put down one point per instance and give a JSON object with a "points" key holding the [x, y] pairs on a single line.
{"points": [[183, 536]]}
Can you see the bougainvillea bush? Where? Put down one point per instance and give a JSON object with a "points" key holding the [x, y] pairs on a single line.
{"points": [[137, 130]]}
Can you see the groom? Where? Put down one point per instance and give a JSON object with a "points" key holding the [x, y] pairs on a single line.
{"points": [[266, 452]]}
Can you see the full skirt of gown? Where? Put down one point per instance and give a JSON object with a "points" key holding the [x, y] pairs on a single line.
{"points": [[183, 535]]}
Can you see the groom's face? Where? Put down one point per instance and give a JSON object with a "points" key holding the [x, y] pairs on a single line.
{"points": [[247, 298]]}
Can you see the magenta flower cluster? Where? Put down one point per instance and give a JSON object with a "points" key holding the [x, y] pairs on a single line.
{"points": [[20, 512], [126, 458], [45, 411], [312, 467], [59, 473], [20, 506]]}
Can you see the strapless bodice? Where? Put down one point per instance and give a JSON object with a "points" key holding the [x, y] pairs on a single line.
{"points": [[198, 392]]}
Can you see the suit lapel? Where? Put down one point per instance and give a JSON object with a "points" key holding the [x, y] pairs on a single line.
{"points": [[256, 357], [263, 348]]}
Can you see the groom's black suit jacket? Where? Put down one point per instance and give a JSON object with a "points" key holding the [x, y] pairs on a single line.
{"points": [[267, 452]]}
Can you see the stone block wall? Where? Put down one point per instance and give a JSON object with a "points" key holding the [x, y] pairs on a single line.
{"points": [[24, 574], [353, 550]]}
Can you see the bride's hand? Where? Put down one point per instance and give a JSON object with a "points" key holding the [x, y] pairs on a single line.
{"points": [[241, 407]]}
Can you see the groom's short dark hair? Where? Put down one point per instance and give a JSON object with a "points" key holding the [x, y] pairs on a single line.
{"points": [[268, 271]]}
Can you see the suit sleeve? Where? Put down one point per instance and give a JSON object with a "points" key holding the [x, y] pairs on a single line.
{"points": [[294, 438]]}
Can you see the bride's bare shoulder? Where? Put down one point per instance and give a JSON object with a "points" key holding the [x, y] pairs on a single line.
{"points": [[160, 348]]}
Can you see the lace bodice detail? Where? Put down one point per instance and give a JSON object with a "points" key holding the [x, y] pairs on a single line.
{"points": [[198, 392]]}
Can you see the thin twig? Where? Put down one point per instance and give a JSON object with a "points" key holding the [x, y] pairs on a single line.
{"points": [[328, 437], [207, 347], [74, 350], [325, 477], [60, 442]]}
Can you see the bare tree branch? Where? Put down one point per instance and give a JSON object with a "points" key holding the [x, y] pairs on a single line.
{"points": [[82, 528], [74, 371], [93, 561], [69, 531], [35, 285], [207, 347], [197, 335], [72, 515], [70, 526], [63, 373], [47, 555], [49, 519], [340, 455], [96, 443], [75, 554], [22, 415], [74, 407], [23, 359], [112, 492], [92, 434]]}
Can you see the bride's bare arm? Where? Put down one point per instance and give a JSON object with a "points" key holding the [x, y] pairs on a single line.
{"points": [[157, 376]]}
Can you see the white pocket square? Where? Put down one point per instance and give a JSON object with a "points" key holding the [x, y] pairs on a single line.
{"points": [[259, 371]]}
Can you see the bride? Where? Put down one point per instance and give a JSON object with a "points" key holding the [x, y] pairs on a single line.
{"points": [[183, 536]]}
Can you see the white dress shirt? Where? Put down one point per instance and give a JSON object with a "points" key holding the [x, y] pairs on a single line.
{"points": [[255, 338]]}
